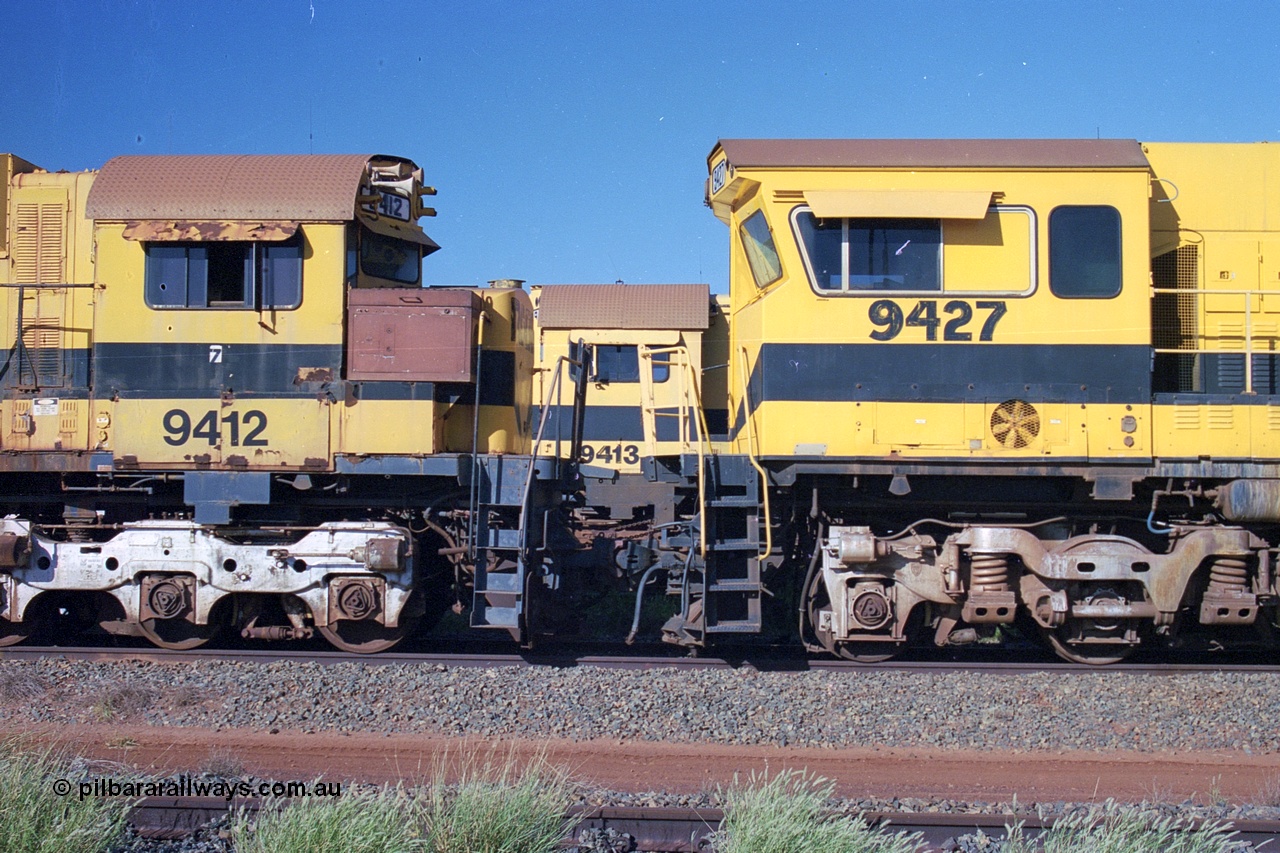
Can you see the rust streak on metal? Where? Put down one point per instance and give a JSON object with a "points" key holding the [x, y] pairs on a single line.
{"points": [[208, 230], [313, 374]]}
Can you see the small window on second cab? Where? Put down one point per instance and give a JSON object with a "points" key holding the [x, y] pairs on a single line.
{"points": [[661, 366], [762, 254], [617, 364], [1084, 252]]}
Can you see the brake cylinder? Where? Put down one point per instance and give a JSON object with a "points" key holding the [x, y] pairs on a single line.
{"points": [[1250, 500]]}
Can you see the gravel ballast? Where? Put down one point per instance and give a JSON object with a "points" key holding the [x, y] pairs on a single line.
{"points": [[1093, 711], [1026, 712]]}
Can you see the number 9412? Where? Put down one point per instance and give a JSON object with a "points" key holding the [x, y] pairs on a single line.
{"points": [[955, 319], [242, 430]]}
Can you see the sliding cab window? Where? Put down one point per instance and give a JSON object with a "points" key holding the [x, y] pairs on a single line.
{"points": [[622, 364], [232, 274], [1084, 252], [762, 254], [860, 255]]}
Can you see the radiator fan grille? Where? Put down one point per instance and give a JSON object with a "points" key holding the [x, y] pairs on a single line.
{"points": [[1015, 424]]}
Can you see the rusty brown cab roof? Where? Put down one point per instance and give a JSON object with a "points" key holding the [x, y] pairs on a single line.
{"points": [[624, 306], [935, 153], [307, 187]]}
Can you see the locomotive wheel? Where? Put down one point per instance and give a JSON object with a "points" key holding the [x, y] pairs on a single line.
{"points": [[868, 652], [1093, 654], [857, 651], [13, 632], [178, 634], [365, 637]]}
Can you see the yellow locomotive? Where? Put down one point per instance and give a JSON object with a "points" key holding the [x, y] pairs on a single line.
{"points": [[974, 383], [229, 402], [958, 389], [657, 384]]}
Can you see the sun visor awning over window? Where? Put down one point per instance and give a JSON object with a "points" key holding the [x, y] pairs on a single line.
{"points": [[390, 228], [165, 230], [899, 204]]}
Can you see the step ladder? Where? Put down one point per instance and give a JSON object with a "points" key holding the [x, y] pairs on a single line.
{"points": [[721, 588], [510, 500], [504, 542], [730, 586]]}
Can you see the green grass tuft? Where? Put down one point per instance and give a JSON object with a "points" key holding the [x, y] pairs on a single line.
{"points": [[787, 814], [34, 818], [497, 806], [1112, 829], [360, 823]]}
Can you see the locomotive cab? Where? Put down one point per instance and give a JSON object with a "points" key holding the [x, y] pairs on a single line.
{"points": [[244, 410], [1018, 383], [652, 394], [966, 299]]}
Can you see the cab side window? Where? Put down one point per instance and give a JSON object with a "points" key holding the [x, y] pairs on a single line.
{"points": [[215, 274], [1084, 252], [622, 364], [872, 254], [762, 254]]}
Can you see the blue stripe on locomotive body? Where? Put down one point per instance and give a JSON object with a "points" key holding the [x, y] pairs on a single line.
{"points": [[951, 373], [16, 372], [599, 423], [624, 423], [199, 369], [191, 370]]}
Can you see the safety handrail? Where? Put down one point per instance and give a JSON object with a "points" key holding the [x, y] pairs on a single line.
{"points": [[690, 397], [553, 393], [473, 501], [764, 479], [1248, 351]]}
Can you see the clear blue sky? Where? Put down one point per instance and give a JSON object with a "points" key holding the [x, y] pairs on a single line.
{"points": [[568, 139]]}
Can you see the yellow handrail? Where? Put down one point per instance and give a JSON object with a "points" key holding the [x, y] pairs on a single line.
{"points": [[764, 479], [690, 397], [1248, 326]]}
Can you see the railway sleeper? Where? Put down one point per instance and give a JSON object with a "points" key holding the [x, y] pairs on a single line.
{"points": [[1094, 597], [178, 582]]}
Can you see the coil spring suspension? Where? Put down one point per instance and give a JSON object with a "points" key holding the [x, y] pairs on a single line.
{"points": [[1229, 573], [988, 572]]}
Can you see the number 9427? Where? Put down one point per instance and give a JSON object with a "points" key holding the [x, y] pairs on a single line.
{"points": [[956, 319]]}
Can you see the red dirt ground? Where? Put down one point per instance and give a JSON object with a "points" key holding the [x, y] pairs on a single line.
{"points": [[683, 768]]}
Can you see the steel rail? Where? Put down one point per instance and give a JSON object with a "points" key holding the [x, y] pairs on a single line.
{"points": [[661, 830]]}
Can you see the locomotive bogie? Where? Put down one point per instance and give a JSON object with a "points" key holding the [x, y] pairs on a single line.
{"points": [[168, 573], [1088, 590]]}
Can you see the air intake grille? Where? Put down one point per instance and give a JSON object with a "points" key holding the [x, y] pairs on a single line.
{"points": [[38, 251], [1015, 424], [1175, 318]]}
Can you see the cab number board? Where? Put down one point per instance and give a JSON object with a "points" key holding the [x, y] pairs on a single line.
{"points": [[614, 454], [394, 206], [955, 319], [242, 430]]}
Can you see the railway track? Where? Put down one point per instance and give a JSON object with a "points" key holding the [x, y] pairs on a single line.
{"points": [[658, 830], [763, 663]]}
